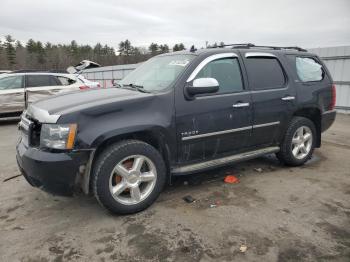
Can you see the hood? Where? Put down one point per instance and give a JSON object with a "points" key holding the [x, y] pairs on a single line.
{"points": [[86, 100]]}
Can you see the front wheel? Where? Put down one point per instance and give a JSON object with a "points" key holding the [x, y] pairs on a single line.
{"points": [[128, 176], [298, 143]]}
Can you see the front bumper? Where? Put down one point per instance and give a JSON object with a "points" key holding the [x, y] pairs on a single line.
{"points": [[328, 119], [53, 172]]}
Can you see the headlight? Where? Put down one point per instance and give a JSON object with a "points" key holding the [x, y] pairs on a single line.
{"points": [[58, 136]]}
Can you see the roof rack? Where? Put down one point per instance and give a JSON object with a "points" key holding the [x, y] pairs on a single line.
{"points": [[250, 45], [38, 71]]}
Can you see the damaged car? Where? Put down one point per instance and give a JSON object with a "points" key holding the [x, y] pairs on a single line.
{"points": [[18, 90], [178, 113]]}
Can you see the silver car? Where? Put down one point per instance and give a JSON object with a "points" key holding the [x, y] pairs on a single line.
{"points": [[17, 90]]}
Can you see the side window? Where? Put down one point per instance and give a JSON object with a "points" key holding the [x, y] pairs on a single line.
{"points": [[308, 69], [65, 81], [227, 72], [265, 73], [11, 82], [55, 81], [40, 80]]}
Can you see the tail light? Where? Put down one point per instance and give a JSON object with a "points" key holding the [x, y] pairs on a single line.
{"points": [[83, 87], [333, 99]]}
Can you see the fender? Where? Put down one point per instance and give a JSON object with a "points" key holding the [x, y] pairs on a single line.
{"points": [[160, 132]]}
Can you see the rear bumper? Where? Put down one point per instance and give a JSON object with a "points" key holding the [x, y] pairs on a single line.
{"points": [[327, 120], [53, 172]]}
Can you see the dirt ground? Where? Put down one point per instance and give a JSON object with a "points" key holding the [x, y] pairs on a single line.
{"points": [[280, 214]]}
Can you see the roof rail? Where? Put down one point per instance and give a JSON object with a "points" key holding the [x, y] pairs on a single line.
{"points": [[233, 45], [250, 45], [38, 71]]}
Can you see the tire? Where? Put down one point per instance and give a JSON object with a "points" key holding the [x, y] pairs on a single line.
{"points": [[122, 168], [286, 155]]}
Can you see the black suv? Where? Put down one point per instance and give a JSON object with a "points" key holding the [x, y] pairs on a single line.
{"points": [[177, 113]]}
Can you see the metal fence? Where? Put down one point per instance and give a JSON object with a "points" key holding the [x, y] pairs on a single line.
{"points": [[337, 60], [107, 74]]}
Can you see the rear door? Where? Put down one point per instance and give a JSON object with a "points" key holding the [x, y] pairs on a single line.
{"points": [[313, 83], [39, 86], [214, 125], [11, 95], [273, 96]]}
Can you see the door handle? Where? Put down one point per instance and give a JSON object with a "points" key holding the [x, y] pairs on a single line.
{"points": [[240, 105], [288, 98]]}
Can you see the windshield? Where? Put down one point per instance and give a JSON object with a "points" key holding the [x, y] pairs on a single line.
{"points": [[158, 73]]}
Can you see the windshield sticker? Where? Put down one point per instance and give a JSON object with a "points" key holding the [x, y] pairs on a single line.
{"points": [[179, 62]]}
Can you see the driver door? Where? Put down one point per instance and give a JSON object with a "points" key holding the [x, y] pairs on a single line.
{"points": [[218, 124]]}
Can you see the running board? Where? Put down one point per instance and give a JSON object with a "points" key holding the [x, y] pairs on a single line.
{"points": [[224, 161], [10, 118]]}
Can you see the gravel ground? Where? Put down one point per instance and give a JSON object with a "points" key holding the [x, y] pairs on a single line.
{"points": [[278, 213]]}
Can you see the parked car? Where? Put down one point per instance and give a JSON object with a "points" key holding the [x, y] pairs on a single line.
{"points": [[18, 89], [177, 113], [4, 71]]}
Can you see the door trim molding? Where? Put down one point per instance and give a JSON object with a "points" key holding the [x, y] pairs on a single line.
{"points": [[229, 131], [267, 124], [216, 133]]}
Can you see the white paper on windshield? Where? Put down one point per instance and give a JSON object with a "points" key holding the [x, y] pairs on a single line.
{"points": [[179, 62]]}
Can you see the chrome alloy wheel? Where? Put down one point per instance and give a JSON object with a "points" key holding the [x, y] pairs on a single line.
{"points": [[302, 142], [133, 179]]}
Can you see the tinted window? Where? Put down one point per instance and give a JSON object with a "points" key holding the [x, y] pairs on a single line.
{"points": [[226, 71], [40, 80], [11, 82], [308, 69], [264, 73]]}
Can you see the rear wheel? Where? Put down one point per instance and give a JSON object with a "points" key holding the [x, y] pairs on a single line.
{"points": [[128, 176], [299, 142]]}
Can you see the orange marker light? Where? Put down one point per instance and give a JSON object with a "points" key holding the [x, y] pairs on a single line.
{"points": [[71, 136]]}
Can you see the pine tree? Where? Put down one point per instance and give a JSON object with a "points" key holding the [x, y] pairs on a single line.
{"points": [[181, 47], [125, 47], [18, 45], [40, 54], [176, 48], [153, 48], [10, 51], [164, 48], [31, 46]]}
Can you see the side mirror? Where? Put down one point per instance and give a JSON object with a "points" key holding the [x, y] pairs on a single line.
{"points": [[203, 86]]}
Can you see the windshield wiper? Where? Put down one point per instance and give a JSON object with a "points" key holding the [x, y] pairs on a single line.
{"points": [[137, 87]]}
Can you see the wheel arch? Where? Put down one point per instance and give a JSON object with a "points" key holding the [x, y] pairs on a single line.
{"points": [[314, 114], [153, 136]]}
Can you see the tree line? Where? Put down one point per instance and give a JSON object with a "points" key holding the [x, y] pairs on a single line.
{"points": [[15, 55]]}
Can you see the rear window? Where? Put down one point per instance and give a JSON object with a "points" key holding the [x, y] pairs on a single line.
{"points": [[265, 73], [308, 69], [41, 80]]}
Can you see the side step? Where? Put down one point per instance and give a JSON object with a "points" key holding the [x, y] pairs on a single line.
{"points": [[224, 161], [10, 118]]}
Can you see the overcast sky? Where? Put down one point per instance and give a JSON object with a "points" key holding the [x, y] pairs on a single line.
{"points": [[306, 23]]}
